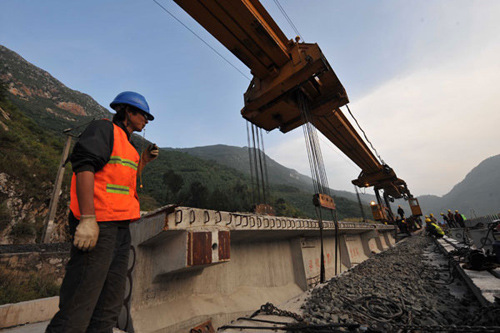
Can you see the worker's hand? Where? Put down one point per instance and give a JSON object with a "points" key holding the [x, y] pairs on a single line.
{"points": [[87, 233], [150, 153]]}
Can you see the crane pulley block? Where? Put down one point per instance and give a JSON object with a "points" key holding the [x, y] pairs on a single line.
{"points": [[385, 178], [324, 201], [270, 101]]}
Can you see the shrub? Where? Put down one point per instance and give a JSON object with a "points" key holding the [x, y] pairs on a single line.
{"points": [[16, 286], [23, 229]]}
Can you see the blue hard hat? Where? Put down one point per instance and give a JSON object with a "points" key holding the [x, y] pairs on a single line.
{"points": [[134, 99]]}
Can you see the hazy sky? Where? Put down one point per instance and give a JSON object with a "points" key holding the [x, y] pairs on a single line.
{"points": [[423, 77]]}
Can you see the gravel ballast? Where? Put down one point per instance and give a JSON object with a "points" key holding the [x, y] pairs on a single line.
{"points": [[411, 284]]}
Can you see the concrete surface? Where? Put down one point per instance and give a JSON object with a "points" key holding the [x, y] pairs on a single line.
{"points": [[190, 265], [272, 259], [28, 312], [410, 276]]}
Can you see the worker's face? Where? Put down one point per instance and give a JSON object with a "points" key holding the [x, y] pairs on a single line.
{"points": [[137, 119]]}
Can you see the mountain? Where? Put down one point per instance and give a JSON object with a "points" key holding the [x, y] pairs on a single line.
{"points": [[477, 195], [224, 187], [43, 98], [238, 158]]}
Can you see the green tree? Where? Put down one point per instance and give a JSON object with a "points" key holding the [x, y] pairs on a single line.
{"points": [[219, 200], [174, 183], [198, 195]]}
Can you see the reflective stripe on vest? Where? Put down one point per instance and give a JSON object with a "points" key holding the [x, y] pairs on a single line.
{"points": [[115, 195], [123, 161], [119, 189]]}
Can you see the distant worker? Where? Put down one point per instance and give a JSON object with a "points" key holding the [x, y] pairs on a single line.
{"points": [[432, 218], [417, 222], [445, 220], [401, 212], [451, 219], [104, 201], [407, 227], [433, 229], [459, 219], [403, 226]]}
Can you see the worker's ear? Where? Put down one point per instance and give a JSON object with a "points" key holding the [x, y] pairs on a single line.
{"points": [[127, 110]]}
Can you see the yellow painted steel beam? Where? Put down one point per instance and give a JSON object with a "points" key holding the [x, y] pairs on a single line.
{"points": [[246, 29]]}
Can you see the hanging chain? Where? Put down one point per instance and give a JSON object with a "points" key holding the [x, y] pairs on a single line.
{"points": [[270, 309]]}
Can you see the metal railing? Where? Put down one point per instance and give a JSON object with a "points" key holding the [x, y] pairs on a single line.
{"points": [[481, 220]]}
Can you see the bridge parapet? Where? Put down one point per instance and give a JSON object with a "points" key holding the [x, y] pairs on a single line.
{"points": [[186, 218]]}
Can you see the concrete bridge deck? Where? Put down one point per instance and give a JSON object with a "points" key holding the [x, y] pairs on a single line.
{"points": [[191, 265]]}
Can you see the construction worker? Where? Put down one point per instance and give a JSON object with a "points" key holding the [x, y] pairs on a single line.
{"points": [[451, 219], [446, 220], [459, 219], [403, 227], [406, 227], [401, 212], [104, 201], [433, 229]]}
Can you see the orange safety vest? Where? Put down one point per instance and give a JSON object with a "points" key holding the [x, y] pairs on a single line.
{"points": [[115, 193]]}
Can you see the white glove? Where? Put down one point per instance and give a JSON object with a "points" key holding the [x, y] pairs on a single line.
{"points": [[87, 233]]}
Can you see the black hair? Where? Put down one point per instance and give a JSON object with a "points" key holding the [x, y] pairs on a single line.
{"points": [[120, 114]]}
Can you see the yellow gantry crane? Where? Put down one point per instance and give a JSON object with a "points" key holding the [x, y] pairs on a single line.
{"points": [[281, 67]]}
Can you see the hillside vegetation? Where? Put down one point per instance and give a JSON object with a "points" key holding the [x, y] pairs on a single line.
{"points": [[178, 177], [42, 97], [237, 158], [29, 158]]}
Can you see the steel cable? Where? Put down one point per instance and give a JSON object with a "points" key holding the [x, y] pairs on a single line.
{"points": [[375, 308], [288, 19], [250, 162], [204, 42], [364, 134], [265, 164]]}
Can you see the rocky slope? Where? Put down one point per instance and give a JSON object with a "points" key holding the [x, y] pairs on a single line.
{"points": [[29, 157], [42, 97]]}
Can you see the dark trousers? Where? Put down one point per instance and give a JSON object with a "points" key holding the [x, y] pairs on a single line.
{"points": [[93, 288]]}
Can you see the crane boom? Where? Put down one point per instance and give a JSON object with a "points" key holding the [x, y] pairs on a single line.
{"points": [[281, 67]]}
